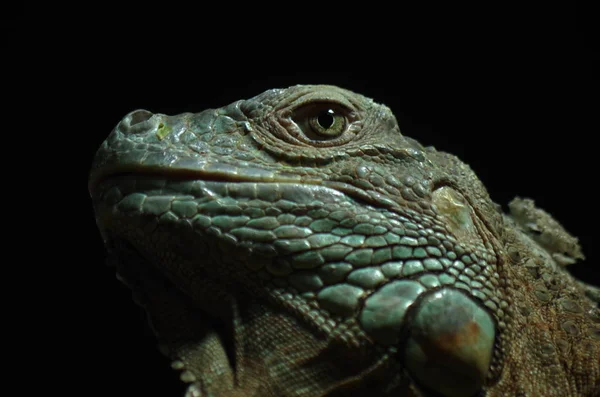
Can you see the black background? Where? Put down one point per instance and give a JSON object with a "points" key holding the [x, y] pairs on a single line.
{"points": [[512, 91]]}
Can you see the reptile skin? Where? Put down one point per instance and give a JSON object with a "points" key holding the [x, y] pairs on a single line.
{"points": [[297, 244]]}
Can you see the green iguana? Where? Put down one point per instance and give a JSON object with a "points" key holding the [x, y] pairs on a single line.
{"points": [[297, 244]]}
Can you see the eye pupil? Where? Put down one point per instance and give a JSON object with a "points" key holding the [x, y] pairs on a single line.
{"points": [[326, 118]]}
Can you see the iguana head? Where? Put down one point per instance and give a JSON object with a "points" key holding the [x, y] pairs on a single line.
{"points": [[297, 244]]}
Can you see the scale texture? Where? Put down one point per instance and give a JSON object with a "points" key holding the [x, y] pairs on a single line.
{"points": [[297, 244]]}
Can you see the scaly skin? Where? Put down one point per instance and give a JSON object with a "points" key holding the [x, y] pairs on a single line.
{"points": [[297, 244]]}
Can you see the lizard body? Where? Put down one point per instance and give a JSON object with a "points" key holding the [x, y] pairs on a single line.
{"points": [[297, 244]]}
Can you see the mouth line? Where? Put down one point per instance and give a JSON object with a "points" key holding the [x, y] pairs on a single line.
{"points": [[225, 173], [213, 172]]}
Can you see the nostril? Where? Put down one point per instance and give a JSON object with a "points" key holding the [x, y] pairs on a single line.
{"points": [[139, 116], [137, 122]]}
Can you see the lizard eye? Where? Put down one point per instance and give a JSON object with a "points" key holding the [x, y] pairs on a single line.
{"points": [[321, 121]]}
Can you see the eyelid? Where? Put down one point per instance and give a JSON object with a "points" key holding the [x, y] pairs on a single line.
{"points": [[331, 97]]}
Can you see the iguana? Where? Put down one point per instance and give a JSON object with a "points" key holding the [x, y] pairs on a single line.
{"points": [[297, 244]]}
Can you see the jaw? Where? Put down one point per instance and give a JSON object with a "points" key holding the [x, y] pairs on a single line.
{"points": [[224, 332]]}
